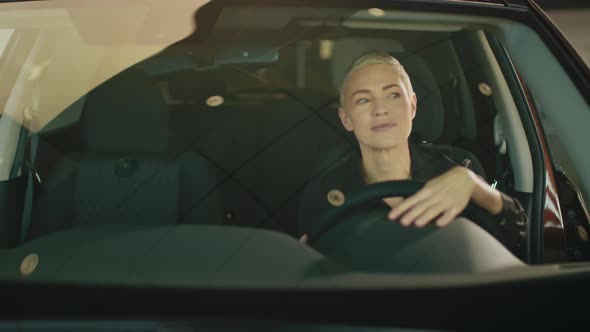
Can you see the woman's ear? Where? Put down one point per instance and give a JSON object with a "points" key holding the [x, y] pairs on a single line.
{"points": [[414, 106], [345, 119]]}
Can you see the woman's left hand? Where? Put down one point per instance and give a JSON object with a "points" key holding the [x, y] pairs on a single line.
{"points": [[442, 199]]}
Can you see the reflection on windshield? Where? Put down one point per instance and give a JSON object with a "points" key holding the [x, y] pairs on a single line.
{"points": [[239, 136]]}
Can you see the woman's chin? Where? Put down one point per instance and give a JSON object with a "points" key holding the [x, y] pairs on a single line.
{"points": [[389, 145]]}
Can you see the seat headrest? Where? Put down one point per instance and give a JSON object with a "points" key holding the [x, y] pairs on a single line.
{"points": [[126, 113], [429, 121]]}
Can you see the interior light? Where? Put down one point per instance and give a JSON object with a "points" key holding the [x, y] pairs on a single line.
{"points": [[215, 101], [326, 48]]}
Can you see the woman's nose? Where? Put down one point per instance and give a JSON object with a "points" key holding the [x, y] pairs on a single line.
{"points": [[379, 108]]}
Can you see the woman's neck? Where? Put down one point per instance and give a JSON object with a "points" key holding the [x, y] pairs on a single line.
{"points": [[386, 164]]}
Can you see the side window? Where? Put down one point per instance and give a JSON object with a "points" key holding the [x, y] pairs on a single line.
{"points": [[5, 36], [559, 152], [9, 129], [15, 48]]}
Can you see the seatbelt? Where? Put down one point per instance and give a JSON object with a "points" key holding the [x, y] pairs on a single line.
{"points": [[33, 175]]}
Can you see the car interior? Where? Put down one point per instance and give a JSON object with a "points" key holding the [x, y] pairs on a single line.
{"points": [[205, 134], [136, 157]]}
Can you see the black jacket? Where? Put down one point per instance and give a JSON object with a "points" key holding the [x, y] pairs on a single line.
{"points": [[341, 173]]}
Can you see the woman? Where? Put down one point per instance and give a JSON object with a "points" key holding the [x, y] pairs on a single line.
{"points": [[378, 105]]}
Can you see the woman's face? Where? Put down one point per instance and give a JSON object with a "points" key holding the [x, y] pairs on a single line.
{"points": [[378, 107]]}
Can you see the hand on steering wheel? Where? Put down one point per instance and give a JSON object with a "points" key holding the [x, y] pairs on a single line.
{"points": [[441, 200]]}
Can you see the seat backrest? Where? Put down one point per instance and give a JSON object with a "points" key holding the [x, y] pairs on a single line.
{"points": [[128, 171], [430, 116]]}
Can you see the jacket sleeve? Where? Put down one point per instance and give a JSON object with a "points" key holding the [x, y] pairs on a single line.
{"points": [[510, 225], [513, 221]]}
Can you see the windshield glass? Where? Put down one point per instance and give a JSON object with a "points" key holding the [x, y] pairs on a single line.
{"points": [[229, 145]]}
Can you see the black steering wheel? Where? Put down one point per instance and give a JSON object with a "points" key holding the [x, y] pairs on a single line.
{"points": [[394, 188], [369, 243]]}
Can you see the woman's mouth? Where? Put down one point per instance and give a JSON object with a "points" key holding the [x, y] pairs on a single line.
{"points": [[383, 127]]}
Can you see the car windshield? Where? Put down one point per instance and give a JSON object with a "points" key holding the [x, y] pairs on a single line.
{"points": [[206, 143]]}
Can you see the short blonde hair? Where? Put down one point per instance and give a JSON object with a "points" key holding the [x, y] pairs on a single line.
{"points": [[374, 58]]}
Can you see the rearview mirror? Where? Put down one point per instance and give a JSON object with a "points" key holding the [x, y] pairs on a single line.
{"points": [[199, 60], [246, 54]]}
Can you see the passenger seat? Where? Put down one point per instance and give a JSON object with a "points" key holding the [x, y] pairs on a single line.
{"points": [[131, 169]]}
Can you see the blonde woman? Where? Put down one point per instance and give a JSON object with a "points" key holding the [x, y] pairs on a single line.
{"points": [[378, 105]]}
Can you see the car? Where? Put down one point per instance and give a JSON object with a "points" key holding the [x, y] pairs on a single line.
{"points": [[157, 157]]}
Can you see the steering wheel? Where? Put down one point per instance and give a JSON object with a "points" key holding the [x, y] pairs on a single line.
{"points": [[394, 188], [371, 244]]}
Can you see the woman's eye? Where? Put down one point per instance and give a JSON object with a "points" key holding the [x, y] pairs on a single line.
{"points": [[394, 95], [362, 101]]}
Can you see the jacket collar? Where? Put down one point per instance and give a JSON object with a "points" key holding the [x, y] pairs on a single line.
{"points": [[426, 164]]}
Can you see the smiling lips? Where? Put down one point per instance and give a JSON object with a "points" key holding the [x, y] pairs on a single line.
{"points": [[383, 126]]}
